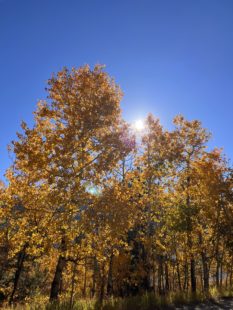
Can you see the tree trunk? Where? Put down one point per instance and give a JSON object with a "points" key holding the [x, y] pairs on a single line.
{"points": [[221, 274], [57, 280], [95, 270], [85, 278], [193, 275], [205, 272], [186, 277], [178, 275], [110, 280], [227, 277], [19, 268], [172, 286], [189, 237], [167, 284], [102, 286], [217, 273], [160, 276], [231, 272], [192, 262], [72, 287], [154, 277]]}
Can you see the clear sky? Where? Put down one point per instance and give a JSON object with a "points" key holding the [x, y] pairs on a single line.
{"points": [[169, 57]]}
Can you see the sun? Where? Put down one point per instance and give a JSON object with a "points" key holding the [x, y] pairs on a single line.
{"points": [[138, 125]]}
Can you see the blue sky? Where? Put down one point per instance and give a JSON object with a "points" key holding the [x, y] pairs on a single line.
{"points": [[169, 57]]}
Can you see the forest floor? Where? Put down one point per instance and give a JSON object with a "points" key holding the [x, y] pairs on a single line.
{"points": [[143, 302], [223, 304]]}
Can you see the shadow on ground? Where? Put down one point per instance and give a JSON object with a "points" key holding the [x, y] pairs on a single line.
{"points": [[223, 303]]}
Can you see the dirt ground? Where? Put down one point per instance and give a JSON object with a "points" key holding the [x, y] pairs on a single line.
{"points": [[223, 303]]}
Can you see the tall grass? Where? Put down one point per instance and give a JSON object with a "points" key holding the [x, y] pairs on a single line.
{"points": [[148, 301]]}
